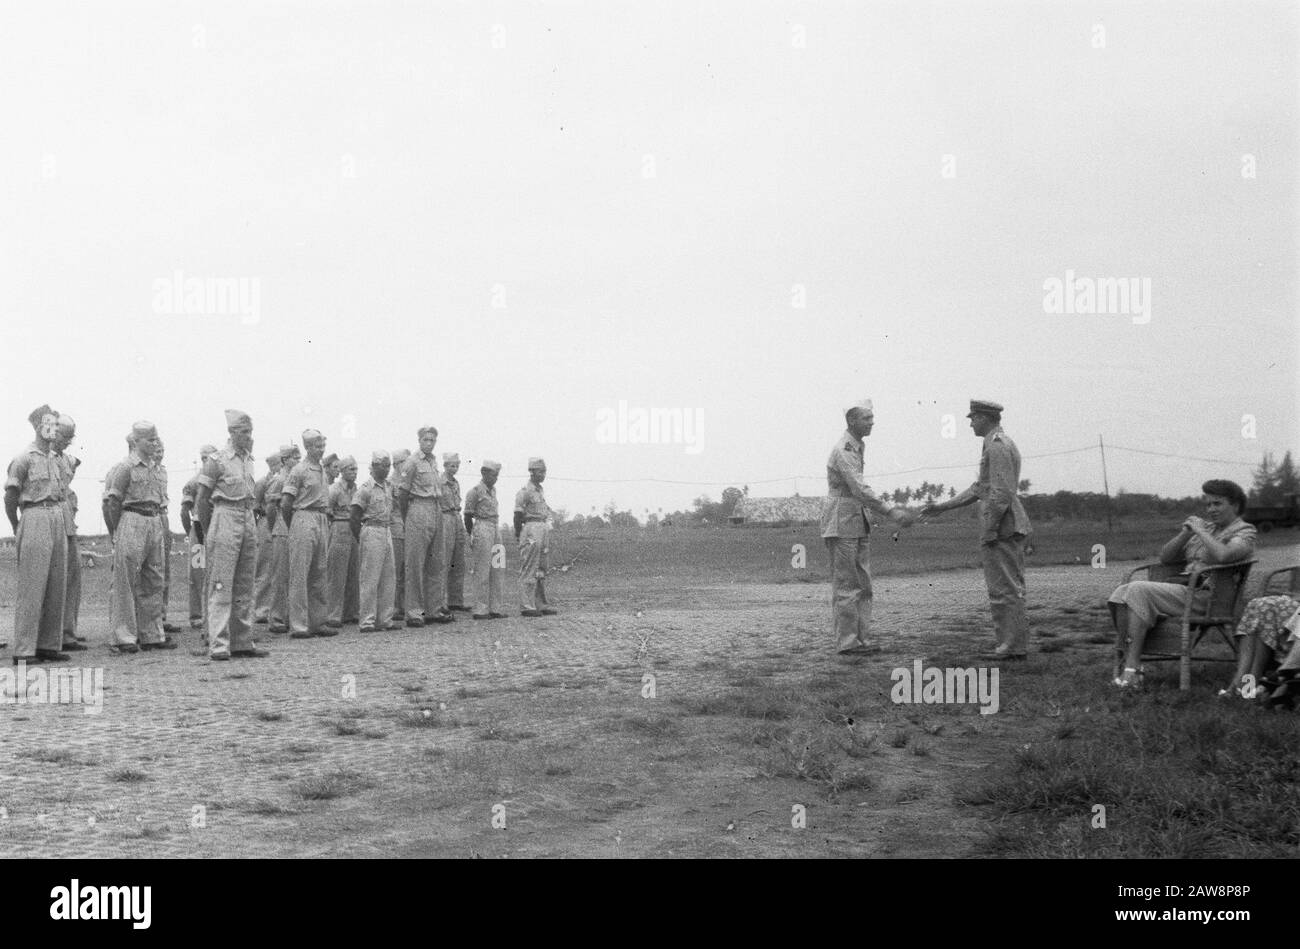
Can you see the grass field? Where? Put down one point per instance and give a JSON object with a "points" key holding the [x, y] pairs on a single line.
{"points": [[684, 703]]}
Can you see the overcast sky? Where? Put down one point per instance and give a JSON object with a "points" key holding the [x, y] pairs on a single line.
{"points": [[504, 218]]}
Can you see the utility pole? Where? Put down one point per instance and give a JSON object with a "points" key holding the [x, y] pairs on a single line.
{"points": [[1105, 481]]}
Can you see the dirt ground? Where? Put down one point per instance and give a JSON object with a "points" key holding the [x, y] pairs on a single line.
{"points": [[543, 737]]}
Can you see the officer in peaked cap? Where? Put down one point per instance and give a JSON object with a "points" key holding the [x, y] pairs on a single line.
{"points": [[1004, 527]]}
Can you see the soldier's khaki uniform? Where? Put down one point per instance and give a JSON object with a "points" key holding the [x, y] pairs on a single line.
{"points": [[425, 548], [1002, 539], [481, 502], [72, 588], [308, 541], [397, 528], [378, 564], [344, 559], [534, 546], [265, 555], [136, 607], [231, 551], [455, 539], [278, 616], [42, 545], [166, 532], [196, 554], [847, 534]]}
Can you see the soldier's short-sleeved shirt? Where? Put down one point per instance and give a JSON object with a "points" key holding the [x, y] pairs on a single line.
{"points": [[259, 491], [229, 475], [136, 481], [306, 485], [531, 502], [37, 476], [420, 476], [376, 503], [340, 499], [481, 501], [190, 491], [450, 494], [162, 477], [271, 500], [68, 466]]}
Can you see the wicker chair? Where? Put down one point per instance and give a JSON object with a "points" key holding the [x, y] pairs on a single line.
{"points": [[1216, 605]]}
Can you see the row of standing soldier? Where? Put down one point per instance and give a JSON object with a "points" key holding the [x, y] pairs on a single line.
{"points": [[304, 550]]}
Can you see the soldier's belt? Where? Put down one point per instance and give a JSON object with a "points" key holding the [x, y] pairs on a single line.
{"points": [[369, 523], [48, 502], [341, 520], [424, 497], [143, 509], [311, 510], [450, 510], [533, 519], [235, 502]]}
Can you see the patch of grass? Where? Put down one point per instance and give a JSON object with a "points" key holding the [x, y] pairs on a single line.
{"points": [[464, 692], [127, 776], [266, 716], [301, 748], [545, 682], [655, 726], [327, 787], [344, 727], [558, 771], [897, 738], [374, 733], [237, 675], [911, 793], [919, 747], [265, 807], [58, 756], [353, 712], [1051, 646]]}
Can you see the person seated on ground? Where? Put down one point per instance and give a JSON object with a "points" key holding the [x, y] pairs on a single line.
{"points": [[1262, 637], [1221, 537], [1281, 688]]}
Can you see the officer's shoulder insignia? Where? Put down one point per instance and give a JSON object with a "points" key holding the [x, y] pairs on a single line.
{"points": [[997, 437], [849, 446]]}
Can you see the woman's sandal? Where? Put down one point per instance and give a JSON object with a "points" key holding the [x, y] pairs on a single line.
{"points": [[1131, 679]]}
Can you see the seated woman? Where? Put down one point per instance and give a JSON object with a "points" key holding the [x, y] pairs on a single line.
{"points": [[1221, 537], [1262, 636]]}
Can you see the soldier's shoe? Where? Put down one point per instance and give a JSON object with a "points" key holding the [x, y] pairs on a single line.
{"points": [[499, 615], [1003, 653], [118, 649], [351, 620], [279, 630], [219, 657], [460, 609], [481, 616], [165, 644], [262, 622], [443, 618], [366, 629], [333, 625], [530, 612], [547, 611], [326, 631], [300, 635], [52, 655], [198, 623], [74, 646], [30, 660], [393, 626], [171, 628], [254, 653], [415, 623]]}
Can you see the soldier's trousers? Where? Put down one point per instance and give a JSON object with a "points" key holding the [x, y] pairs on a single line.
{"points": [[343, 564], [308, 602], [534, 560], [425, 558], [850, 590], [166, 562], [72, 592], [1004, 573], [42, 543], [135, 606], [265, 557], [453, 532], [486, 578], [197, 574], [399, 575], [279, 615], [378, 577], [230, 556]]}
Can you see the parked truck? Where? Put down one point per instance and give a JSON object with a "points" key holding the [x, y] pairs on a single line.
{"points": [[1268, 516]]}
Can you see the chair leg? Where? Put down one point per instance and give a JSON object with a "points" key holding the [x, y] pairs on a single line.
{"points": [[1185, 660]]}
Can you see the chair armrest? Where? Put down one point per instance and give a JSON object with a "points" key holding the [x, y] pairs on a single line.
{"points": [[1155, 570]]}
